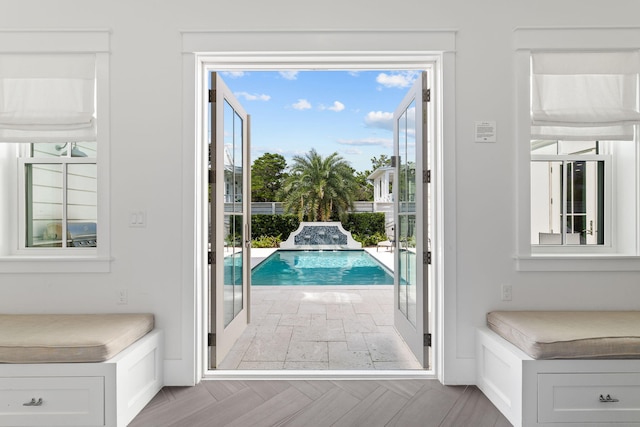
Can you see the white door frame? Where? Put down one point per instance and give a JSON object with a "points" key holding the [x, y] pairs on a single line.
{"points": [[240, 50]]}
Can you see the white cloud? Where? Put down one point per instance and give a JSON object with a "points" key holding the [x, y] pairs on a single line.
{"points": [[382, 142], [253, 96], [337, 107], [302, 104], [379, 119], [289, 75], [233, 74], [400, 79], [352, 151]]}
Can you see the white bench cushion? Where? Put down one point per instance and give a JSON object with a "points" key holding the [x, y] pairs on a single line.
{"points": [[68, 338], [570, 334]]}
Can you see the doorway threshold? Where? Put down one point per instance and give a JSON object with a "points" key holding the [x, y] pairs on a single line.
{"points": [[250, 374]]}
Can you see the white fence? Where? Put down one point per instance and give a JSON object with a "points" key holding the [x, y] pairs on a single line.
{"points": [[276, 207]]}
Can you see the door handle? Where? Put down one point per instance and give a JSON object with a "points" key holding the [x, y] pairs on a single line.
{"points": [[590, 229]]}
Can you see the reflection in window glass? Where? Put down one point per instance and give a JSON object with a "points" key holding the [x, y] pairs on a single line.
{"points": [[233, 267], [233, 128], [567, 194], [61, 200], [407, 286], [233, 143], [44, 205]]}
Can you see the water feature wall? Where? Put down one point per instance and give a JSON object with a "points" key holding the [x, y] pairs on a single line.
{"points": [[320, 235]]}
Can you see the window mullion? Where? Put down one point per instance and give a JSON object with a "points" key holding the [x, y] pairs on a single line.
{"points": [[64, 203], [565, 187], [27, 215]]}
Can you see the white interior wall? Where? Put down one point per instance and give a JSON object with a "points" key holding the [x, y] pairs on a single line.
{"points": [[147, 170], [5, 205], [540, 200], [626, 185]]}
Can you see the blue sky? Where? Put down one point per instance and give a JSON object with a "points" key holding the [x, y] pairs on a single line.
{"points": [[332, 111]]}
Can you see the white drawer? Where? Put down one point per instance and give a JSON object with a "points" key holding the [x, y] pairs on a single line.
{"points": [[582, 398], [66, 401]]}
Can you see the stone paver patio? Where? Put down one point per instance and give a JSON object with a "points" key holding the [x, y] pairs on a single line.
{"points": [[321, 327]]}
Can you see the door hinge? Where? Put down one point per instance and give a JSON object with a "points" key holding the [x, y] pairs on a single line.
{"points": [[426, 257], [211, 340], [427, 340], [212, 95], [212, 258], [426, 177], [212, 177], [426, 95]]}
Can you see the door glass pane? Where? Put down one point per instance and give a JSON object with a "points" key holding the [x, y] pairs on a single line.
{"points": [[407, 151], [82, 205], [233, 267], [238, 300], [407, 266], [234, 230], [407, 214], [233, 142], [237, 161], [403, 267], [44, 196]]}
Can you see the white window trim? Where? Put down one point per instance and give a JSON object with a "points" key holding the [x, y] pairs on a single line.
{"points": [[69, 41], [526, 41]]}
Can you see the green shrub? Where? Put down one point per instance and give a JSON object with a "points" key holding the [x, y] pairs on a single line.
{"points": [[268, 230], [273, 225], [266, 242], [371, 239], [366, 227], [365, 223]]}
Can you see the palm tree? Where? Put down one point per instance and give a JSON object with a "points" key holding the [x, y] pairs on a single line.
{"points": [[317, 187]]}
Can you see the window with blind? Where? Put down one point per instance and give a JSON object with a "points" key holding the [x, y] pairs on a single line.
{"points": [[584, 119], [47, 106], [54, 161]]}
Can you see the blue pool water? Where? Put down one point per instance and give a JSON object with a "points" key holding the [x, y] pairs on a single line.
{"points": [[293, 268]]}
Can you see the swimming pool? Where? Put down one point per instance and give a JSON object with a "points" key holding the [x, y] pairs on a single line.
{"points": [[299, 268]]}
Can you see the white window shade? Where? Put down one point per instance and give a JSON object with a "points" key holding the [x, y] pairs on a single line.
{"points": [[47, 98], [585, 95]]}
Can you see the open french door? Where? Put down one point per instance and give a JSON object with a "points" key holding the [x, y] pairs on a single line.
{"points": [[230, 234], [411, 202]]}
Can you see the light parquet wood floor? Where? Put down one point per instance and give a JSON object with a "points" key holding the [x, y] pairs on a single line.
{"points": [[317, 403]]}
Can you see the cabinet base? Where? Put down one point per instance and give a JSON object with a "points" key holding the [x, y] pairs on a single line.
{"points": [[119, 388]]}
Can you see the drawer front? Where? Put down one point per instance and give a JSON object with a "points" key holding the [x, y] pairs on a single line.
{"points": [[52, 401], [582, 398]]}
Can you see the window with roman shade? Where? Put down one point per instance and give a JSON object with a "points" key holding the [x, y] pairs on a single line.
{"points": [[54, 158], [47, 98], [584, 96], [578, 157], [584, 116]]}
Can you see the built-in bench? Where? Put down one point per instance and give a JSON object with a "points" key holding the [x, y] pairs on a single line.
{"points": [[77, 370], [562, 368]]}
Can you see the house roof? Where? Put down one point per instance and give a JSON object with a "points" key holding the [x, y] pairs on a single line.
{"points": [[380, 172]]}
